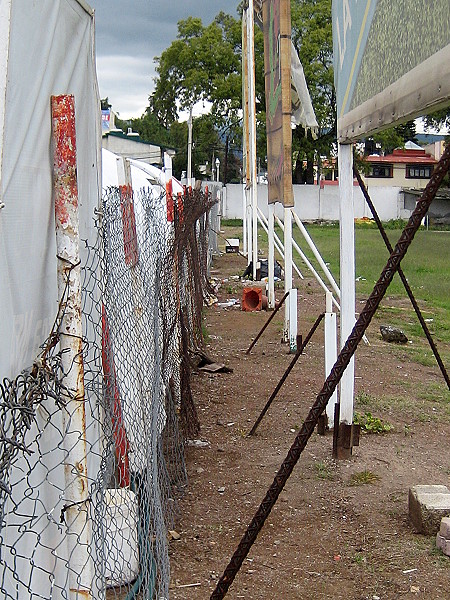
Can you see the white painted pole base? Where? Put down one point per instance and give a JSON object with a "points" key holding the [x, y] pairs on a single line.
{"points": [[292, 321], [287, 268]]}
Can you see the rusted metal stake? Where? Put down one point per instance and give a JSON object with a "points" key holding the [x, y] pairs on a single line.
{"points": [[288, 370], [277, 308], [332, 380], [76, 494], [402, 276]]}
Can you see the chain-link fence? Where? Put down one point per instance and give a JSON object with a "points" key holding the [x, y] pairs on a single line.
{"points": [[143, 287]]}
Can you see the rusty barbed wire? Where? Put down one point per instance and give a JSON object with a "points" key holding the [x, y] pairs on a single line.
{"points": [[143, 284]]}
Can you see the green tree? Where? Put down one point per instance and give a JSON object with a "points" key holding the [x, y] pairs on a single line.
{"points": [[392, 137], [439, 119], [204, 64]]}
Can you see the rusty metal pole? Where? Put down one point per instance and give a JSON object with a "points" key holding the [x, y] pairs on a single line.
{"points": [[65, 193], [350, 346]]}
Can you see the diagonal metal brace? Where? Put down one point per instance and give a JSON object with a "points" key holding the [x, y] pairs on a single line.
{"points": [[286, 373]]}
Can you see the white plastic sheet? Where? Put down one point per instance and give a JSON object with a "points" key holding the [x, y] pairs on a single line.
{"points": [[50, 52]]}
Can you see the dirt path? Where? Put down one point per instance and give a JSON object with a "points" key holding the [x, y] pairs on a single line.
{"points": [[330, 535]]}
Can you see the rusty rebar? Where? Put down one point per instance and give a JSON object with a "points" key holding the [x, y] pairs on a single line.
{"points": [[332, 380], [277, 308], [402, 276], [286, 373]]}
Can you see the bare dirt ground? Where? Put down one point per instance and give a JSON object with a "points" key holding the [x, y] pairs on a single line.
{"points": [[326, 536]]}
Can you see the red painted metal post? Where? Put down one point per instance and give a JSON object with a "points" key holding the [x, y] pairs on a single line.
{"points": [[65, 193]]}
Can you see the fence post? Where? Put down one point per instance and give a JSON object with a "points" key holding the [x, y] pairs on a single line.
{"points": [[65, 193]]}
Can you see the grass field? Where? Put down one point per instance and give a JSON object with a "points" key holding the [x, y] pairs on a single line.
{"points": [[426, 266]]}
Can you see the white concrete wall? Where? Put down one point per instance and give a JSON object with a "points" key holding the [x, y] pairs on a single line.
{"points": [[312, 204]]}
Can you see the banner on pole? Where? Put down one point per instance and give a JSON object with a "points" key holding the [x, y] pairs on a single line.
{"points": [[391, 62], [277, 67]]}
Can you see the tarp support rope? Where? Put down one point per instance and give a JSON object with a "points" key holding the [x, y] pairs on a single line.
{"points": [[333, 379]]}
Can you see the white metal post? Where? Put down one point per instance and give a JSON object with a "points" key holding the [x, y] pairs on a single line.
{"points": [[330, 351], [287, 267], [252, 123], [249, 226], [309, 265], [271, 259], [76, 494], [347, 284]]}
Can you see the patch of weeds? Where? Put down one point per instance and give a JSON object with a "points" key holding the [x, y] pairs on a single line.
{"points": [[229, 289], [365, 477], [428, 544], [205, 333], [407, 431], [359, 558], [371, 424], [440, 558], [324, 471], [365, 399]]}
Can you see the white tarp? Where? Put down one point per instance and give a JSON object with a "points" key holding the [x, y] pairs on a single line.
{"points": [[46, 48], [50, 52], [302, 108]]}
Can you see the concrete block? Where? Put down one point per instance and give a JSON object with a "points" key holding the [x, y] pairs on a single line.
{"points": [[444, 529], [443, 544], [428, 504]]}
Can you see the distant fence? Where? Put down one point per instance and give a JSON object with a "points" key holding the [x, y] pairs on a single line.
{"points": [[143, 286], [313, 203]]}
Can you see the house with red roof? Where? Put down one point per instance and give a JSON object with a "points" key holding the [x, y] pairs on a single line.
{"points": [[409, 167]]}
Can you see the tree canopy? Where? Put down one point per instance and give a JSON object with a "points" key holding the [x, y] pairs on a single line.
{"points": [[203, 64]]}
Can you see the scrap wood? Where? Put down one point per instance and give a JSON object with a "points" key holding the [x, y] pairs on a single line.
{"points": [[204, 363]]}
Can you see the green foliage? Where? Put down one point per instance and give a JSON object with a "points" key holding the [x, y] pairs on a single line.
{"points": [[324, 471], [393, 137], [438, 119], [204, 64], [363, 478], [371, 424]]}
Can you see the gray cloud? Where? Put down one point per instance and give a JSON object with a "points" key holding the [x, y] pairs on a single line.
{"points": [[130, 33]]}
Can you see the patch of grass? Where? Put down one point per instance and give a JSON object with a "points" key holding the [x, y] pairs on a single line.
{"points": [[365, 477], [371, 424], [324, 471], [428, 544], [365, 399], [231, 222], [359, 558]]}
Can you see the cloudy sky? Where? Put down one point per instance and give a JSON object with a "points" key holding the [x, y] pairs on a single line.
{"points": [[130, 33]]}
